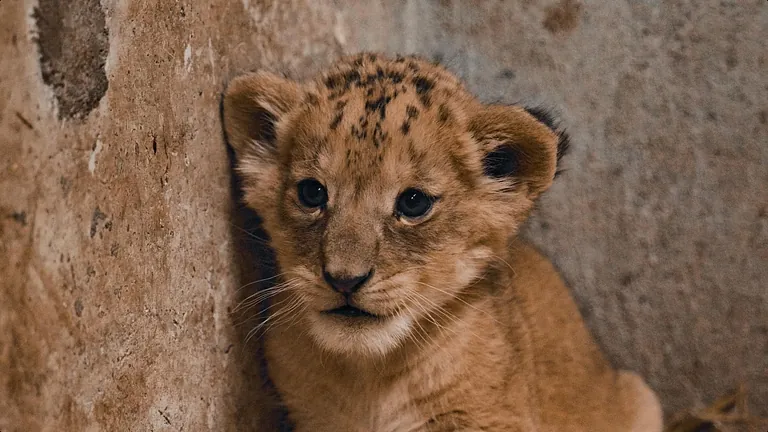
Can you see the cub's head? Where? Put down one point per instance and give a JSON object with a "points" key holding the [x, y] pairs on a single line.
{"points": [[386, 189]]}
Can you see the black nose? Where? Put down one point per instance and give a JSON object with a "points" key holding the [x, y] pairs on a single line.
{"points": [[346, 285]]}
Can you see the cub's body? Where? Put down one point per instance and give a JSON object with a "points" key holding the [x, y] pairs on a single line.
{"points": [[521, 361], [393, 198]]}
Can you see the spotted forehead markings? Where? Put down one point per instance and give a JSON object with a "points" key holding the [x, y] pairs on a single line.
{"points": [[312, 99], [339, 83], [444, 114], [379, 136], [339, 115], [379, 104], [411, 113], [424, 88], [342, 81], [360, 131], [336, 120]]}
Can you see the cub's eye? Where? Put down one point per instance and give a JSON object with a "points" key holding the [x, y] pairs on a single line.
{"points": [[414, 203], [312, 193]]}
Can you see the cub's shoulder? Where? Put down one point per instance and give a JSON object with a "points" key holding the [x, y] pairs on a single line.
{"points": [[527, 260]]}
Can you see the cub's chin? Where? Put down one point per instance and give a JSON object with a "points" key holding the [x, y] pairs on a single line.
{"points": [[352, 331]]}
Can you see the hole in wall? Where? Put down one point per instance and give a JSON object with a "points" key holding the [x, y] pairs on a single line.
{"points": [[73, 41]]}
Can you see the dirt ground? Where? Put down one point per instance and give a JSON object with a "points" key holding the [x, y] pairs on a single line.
{"points": [[122, 247]]}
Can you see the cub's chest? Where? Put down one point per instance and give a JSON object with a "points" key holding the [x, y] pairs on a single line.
{"points": [[355, 409]]}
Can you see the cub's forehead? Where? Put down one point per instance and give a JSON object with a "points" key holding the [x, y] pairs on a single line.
{"points": [[400, 116], [368, 70]]}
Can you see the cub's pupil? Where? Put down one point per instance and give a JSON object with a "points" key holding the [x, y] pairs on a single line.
{"points": [[413, 203], [312, 193]]}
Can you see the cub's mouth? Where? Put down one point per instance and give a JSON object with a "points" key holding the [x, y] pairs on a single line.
{"points": [[349, 311]]}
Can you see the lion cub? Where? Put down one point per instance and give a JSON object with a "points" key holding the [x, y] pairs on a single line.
{"points": [[392, 198]]}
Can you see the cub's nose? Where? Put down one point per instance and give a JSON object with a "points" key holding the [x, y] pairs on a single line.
{"points": [[346, 285]]}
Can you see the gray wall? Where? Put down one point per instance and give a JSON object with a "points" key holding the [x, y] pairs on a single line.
{"points": [[120, 255], [660, 223]]}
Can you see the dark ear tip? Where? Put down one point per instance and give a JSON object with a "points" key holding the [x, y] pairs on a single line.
{"points": [[543, 115], [563, 145], [546, 117]]}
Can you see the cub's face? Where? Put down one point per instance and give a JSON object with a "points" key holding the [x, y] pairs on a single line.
{"points": [[386, 189]]}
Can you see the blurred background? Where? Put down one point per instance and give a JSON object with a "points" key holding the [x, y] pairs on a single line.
{"points": [[119, 250]]}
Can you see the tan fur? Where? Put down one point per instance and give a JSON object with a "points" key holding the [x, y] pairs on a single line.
{"points": [[475, 331]]}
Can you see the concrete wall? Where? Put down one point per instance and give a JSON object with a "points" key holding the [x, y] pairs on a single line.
{"points": [[121, 251]]}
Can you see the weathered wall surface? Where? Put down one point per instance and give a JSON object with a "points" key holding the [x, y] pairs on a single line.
{"points": [[660, 223], [120, 255], [116, 253]]}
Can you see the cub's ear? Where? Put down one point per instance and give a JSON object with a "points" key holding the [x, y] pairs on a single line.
{"points": [[253, 106], [521, 147]]}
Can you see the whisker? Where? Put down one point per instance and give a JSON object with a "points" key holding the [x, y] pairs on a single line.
{"points": [[514, 273], [264, 294], [253, 236], [453, 296], [441, 328], [250, 317], [261, 280], [407, 269], [431, 302], [290, 317], [425, 312], [273, 316], [423, 332], [438, 309], [449, 316], [257, 316]]}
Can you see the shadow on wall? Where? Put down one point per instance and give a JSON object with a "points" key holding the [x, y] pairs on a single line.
{"points": [[256, 265]]}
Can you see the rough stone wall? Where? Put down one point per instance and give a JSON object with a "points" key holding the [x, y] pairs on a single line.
{"points": [[116, 257], [660, 222], [121, 252]]}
